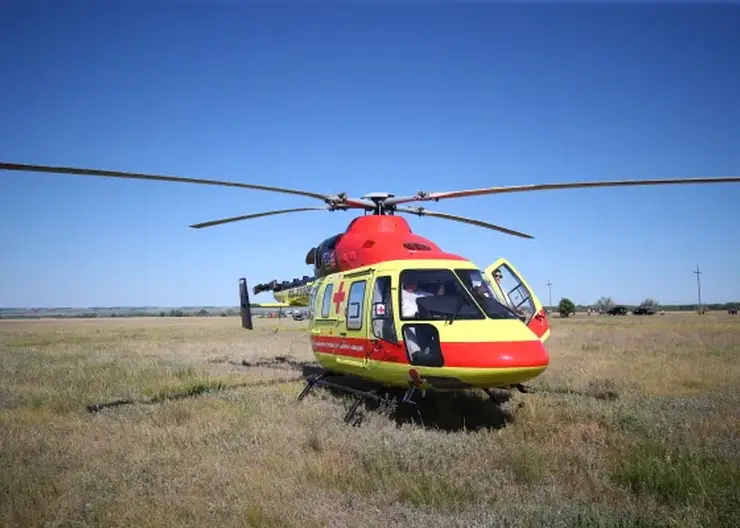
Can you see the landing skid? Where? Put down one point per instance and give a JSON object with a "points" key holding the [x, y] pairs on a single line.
{"points": [[372, 394], [360, 395]]}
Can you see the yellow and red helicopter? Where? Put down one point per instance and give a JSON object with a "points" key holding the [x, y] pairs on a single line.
{"points": [[391, 307]]}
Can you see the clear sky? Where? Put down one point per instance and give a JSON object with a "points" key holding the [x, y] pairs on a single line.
{"points": [[363, 99]]}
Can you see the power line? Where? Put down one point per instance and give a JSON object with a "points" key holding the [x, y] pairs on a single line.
{"points": [[698, 286]]}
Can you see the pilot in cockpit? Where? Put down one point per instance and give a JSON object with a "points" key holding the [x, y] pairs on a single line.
{"points": [[409, 294], [409, 309]]}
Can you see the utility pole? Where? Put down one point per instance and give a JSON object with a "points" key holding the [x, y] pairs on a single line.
{"points": [[549, 287], [698, 286]]}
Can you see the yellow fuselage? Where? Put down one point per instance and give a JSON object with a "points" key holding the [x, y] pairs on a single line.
{"points": [[357, 328]]}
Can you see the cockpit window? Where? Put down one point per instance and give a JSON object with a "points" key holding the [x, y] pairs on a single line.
{"points": [[435, 295], [483, 294]]}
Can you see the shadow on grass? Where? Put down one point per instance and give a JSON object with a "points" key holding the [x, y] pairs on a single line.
{"points": [[597, 388], [445, 410], [449, 411], [198, 387]]}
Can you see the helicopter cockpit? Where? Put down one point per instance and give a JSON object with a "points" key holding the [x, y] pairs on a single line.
{"points": [[446, 294]]}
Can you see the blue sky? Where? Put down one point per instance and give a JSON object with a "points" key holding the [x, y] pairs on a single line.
{"points": [[362, 99]]}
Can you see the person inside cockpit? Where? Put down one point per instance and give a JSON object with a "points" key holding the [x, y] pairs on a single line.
{"points": [[498, 277], [409, 294]]}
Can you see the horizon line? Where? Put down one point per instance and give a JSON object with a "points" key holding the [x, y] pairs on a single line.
{"points": [[237, 306]]}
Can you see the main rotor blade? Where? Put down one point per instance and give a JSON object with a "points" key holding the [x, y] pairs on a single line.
{"points": [[140, 176], [257, 215], [425, 212], [427, 196]]}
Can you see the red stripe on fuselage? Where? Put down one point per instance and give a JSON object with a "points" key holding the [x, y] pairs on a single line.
{"points": [[501, 354], [360, 348], [341, 346]]}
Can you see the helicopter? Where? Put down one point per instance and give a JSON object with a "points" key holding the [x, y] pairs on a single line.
{"points": [[391, 307]]}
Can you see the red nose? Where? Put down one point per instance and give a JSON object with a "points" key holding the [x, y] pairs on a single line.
{"points": [[496, 354]]}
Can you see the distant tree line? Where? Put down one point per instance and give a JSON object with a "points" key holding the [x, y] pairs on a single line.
{"points": [[606, 303], [566, 307], [179, 312]]}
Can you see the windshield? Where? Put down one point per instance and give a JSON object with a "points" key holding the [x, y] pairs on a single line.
{"points": [[435, 295], [483, 293]]}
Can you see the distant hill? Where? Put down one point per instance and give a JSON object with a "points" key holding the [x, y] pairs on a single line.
{"points": [[125, 311], [230, 311]]}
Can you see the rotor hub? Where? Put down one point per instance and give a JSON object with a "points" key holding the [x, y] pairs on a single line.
{"points": [[379, 198]]}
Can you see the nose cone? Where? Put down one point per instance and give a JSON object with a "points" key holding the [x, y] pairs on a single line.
{"points": [[496, 344], [496, 354], [519, 354]]}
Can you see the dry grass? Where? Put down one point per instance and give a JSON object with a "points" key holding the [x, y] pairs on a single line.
{"points": [[636, 423]]}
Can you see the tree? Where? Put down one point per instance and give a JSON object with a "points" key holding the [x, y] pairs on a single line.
{"points": [[566, 307], [650, 303], [604, 304]]}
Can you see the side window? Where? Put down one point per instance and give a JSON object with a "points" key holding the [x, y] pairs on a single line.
{"points": [[422, 345], [355, 304], [516, 294], [312, 300], [384, 326], [326, 302]]}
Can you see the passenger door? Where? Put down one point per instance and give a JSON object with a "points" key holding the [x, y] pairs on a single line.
{"points": [[356, 309], [385, 344], [354, 328], [514, 290]]}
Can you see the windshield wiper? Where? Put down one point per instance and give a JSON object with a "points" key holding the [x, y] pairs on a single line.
{"points": [[511, 310], [487, 308], [458, 307]]}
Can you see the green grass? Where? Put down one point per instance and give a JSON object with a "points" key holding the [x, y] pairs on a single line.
{"points": [[677, 476], [635, 424]]}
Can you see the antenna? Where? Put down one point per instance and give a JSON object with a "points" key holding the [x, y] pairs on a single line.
{"points": [[698, 287], [549, 287]]}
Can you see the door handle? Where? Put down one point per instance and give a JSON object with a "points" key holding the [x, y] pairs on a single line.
{"points": [[342, 333]]}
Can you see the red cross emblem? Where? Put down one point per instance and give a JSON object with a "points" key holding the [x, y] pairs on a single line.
{"points": [[339, 296]]}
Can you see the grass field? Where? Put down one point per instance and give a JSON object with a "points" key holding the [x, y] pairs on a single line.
{"points": [[635, 423]]}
